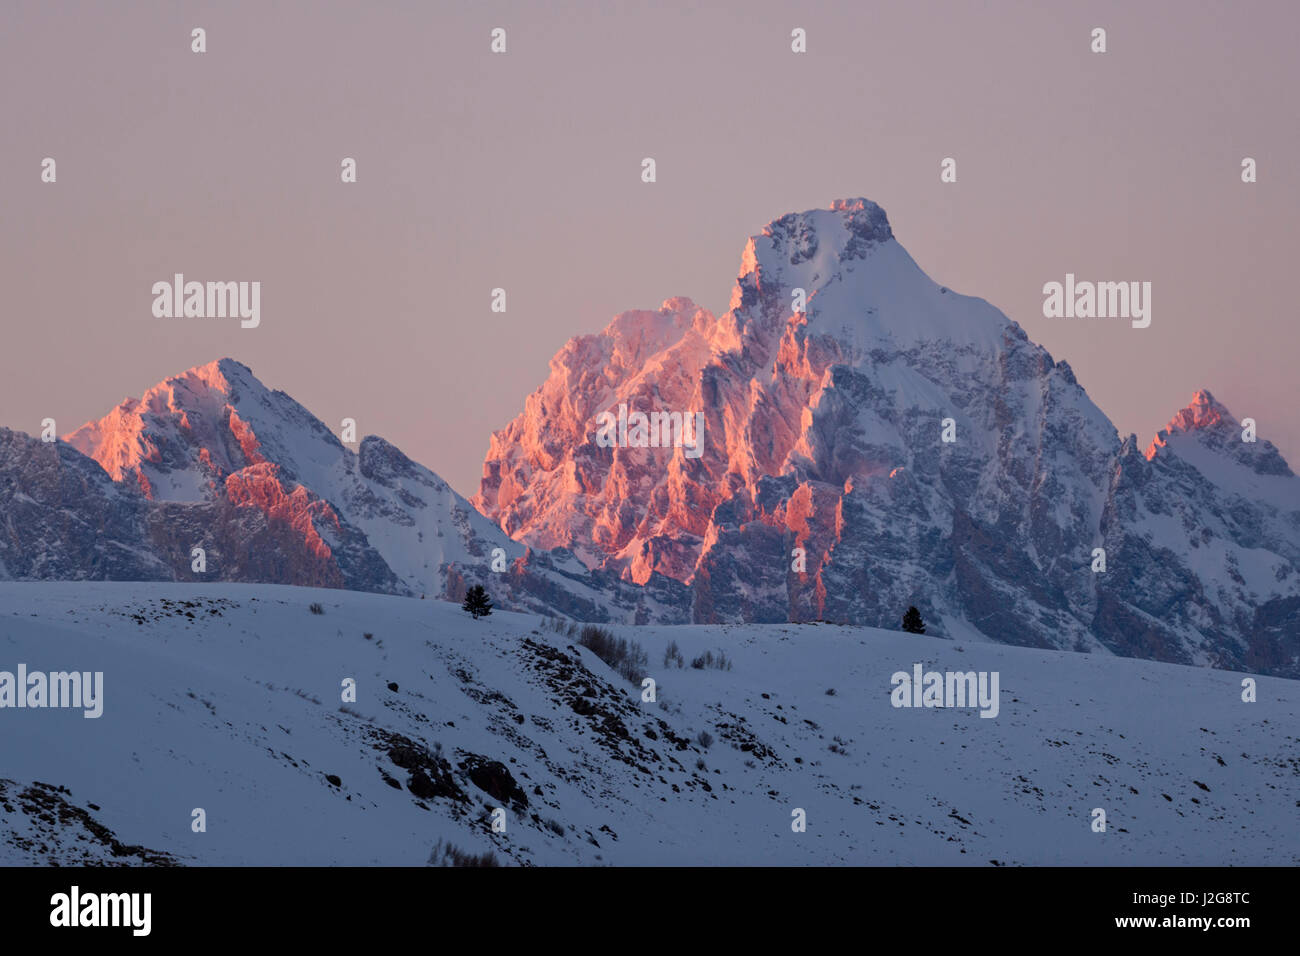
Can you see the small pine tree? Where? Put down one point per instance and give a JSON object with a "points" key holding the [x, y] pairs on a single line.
{"points": [[912, 622], [477, 602]]}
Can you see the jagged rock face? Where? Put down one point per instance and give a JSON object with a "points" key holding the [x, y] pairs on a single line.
{"points": [[1202, 534], [824, 428], [547, 482], [242, 472], [213, 459], [823, 431], [62, 518], [823, 487]]}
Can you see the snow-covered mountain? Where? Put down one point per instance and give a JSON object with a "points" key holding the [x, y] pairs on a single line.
{"points": [[212, 459], [1208, 527], [870, 440], [825, 488], [229, 699], [215, 433]]}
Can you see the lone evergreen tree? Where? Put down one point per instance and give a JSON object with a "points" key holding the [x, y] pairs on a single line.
{"points": [[477, 602], [912, 622]]}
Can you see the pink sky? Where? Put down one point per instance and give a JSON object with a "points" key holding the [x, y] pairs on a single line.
{"points": [[523, 171]]}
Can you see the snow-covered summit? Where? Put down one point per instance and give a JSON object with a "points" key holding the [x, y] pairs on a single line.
{"points": [[872, 440]]}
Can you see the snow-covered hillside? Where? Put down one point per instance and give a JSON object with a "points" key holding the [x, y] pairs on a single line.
{"points": [[226, 697]]}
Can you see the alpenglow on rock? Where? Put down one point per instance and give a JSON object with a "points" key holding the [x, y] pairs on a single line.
{"points": [[212, 459], [826, 388]]}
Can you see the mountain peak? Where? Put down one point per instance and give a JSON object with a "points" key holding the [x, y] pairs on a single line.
{"points": [[841, 273], [1204, 428], [849, 229], [222, 367], [217, 378], [1203, 413], [222, 376], [182, 432], [835, 357], [861, 210]]}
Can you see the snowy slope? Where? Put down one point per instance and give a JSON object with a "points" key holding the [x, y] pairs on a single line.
{"points": [[226, 697]]}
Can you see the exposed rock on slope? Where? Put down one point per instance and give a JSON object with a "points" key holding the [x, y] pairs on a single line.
{"points": [[826, 389], [212, 459]]}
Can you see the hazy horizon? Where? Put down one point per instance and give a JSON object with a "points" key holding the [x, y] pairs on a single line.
{"points": [[522, 171]]}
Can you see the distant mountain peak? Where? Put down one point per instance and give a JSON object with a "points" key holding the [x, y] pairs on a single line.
{"points": [[847, 230], [1205, 422], [859, 218], [874, 440], [187, 422], [837, 354], [868, 440], [211, 459], [1204, 413]]}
